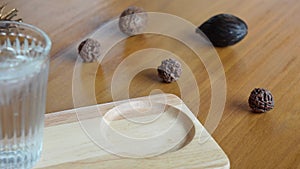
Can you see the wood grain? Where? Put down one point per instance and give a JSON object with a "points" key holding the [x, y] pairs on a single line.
{"points": [[176, 136], [268, 57]]}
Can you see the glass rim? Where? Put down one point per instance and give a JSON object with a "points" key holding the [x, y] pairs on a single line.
{"points": [[14, 70], [35, 29]]}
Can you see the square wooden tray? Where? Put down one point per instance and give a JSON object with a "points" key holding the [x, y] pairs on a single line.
{"points": [[67, 145]]}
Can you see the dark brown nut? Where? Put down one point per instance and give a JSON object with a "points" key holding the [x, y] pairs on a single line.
{"points": [[169, 70], [133, 20], [89, 50], [224, 30], [261, 100]]}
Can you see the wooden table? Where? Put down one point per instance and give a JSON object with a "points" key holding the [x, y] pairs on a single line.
{"points": [[268, 57]]}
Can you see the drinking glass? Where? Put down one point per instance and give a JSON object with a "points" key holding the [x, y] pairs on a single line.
{"points": [[24, 64]]}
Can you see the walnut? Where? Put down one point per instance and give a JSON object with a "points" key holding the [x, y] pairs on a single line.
{"points": [[261, 100], [224, 30], [89, 50], [169, 70], [133, 20]]}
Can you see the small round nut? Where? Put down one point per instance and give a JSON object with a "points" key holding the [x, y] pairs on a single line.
{"points": [[169, 70], [261, 100], [133, 20], [89, 50]]}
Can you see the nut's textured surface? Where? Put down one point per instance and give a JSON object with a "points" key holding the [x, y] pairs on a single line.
{"points": [[224, 30], [89, 50], [261, 100], [133, 20], [169, 70]]}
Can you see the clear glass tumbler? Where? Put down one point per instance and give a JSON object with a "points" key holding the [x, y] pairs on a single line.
{"points": [[24, 64]]}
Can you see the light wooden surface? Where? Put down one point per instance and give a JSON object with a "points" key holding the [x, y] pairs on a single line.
{"points": [[268, 57], [171, 137]]}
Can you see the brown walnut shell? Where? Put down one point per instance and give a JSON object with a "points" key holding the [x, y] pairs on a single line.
{"points": [[133, 20], [89, 50], [224, 30], [169, 70], [261, 100]]}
